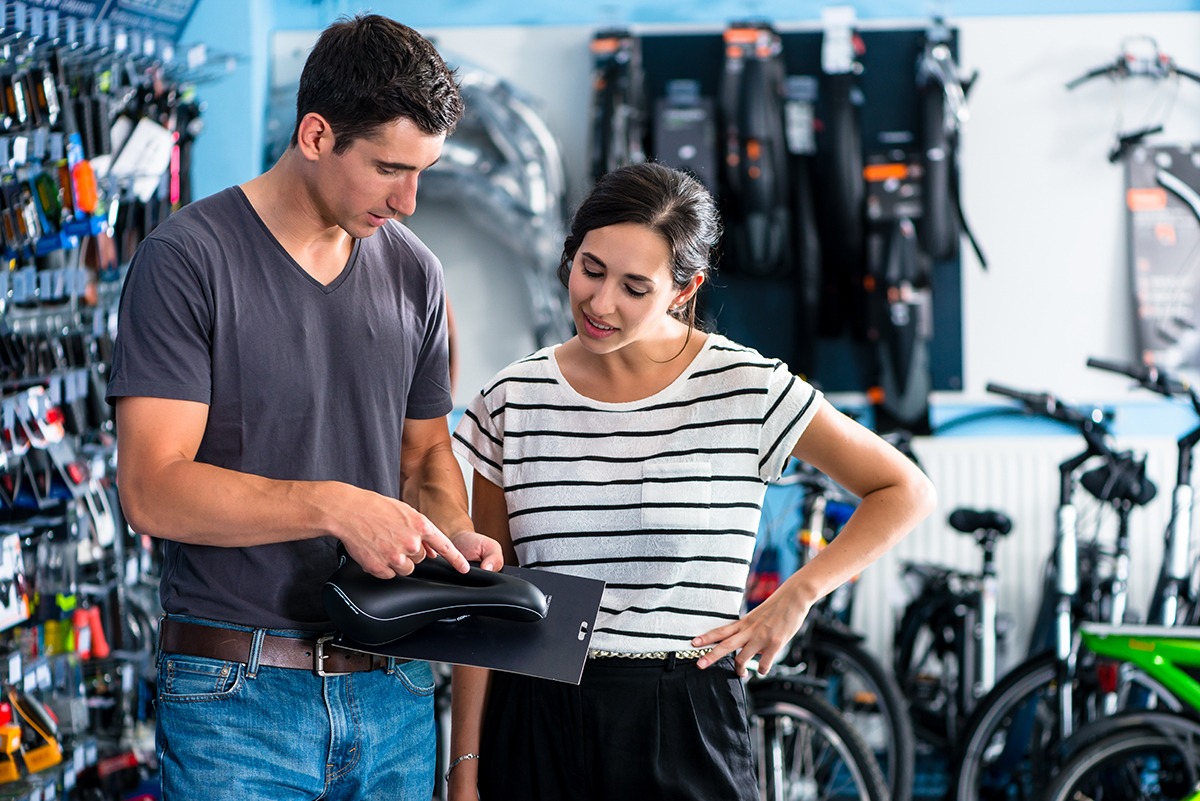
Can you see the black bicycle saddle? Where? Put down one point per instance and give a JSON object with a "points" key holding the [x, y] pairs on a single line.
{"points": [[377, 611], [971, 520], [1122, 479]]}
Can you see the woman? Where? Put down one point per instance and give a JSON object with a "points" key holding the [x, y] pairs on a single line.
{"points": [[638, 452]]}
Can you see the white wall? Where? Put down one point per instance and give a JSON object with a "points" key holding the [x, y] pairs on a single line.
{"points": [[1045, 201]]}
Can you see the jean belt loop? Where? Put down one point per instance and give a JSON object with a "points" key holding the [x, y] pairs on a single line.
{"points": [[255, 651], [671, 661]]}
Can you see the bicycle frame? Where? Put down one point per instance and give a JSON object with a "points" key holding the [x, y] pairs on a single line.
{"points": [[1067, 567], [1177, 582], [1164, 652]]}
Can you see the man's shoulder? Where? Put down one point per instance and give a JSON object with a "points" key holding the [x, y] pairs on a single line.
{"points": [[206, 217], [396, 238]]}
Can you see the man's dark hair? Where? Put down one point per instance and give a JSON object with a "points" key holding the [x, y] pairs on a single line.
{"points": [[368, 71]]}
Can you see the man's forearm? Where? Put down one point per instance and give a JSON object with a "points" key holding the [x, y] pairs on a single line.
{"points": [[198, 503]]}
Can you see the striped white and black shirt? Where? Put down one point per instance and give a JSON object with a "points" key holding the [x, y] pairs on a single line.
{"points": [[659, 497]]}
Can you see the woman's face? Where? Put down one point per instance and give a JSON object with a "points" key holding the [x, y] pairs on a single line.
{"points": [[621, 289]]}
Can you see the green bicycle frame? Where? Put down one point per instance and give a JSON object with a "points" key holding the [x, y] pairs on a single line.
{"points": [[1170, 654]]}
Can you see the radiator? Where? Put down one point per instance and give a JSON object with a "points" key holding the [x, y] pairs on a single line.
{"points": [[1019, 476]]}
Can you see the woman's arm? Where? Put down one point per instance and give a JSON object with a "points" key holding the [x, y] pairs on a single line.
{"points": [[895, 495], [469, 685]]}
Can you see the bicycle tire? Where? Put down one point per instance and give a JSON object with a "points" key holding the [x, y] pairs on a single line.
{"points": [[938, 224], [1146, 762], [823, 758], [931, 613], [868, 694], [987, 767]]}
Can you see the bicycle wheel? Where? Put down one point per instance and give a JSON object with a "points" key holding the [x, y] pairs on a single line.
{"points": [[1011, 747], [869, 697], [1146, 762], [807, 751], [1008, 743], [927, 666]]}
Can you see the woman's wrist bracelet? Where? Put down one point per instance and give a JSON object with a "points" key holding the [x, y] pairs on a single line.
{"points": [[455, 763]]}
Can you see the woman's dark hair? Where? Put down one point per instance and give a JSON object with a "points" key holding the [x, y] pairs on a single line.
{"points": [[368, 71], [670, 202]]}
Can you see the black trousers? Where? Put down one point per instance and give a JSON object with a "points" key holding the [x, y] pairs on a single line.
{"points": [[629, 731]]}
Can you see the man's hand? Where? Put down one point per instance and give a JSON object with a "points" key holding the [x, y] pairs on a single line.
{"points": [[388, 537]]}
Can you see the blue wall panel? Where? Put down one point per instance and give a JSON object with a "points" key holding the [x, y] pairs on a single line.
{"points": [[607, 12]]}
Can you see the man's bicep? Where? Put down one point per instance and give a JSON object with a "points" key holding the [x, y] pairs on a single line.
{"points": [[155, 431]]}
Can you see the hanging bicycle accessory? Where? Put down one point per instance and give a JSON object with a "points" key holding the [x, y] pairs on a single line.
{"points": [[799, 113], [504, 167], [755, 170], [375, 611], [618, 111], [942, 94], [840, 179], [900, 327], [1140, 57]]}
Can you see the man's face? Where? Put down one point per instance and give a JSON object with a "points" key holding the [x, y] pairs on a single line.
{"points": [[375, 178]]}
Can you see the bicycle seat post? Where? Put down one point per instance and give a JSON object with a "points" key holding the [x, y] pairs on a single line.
{"points": [[989, 585]]}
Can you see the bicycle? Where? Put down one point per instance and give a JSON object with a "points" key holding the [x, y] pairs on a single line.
{"points": [[1011, 741], [1177, 589], [827, 649], [1142, 755], [945, 653]]}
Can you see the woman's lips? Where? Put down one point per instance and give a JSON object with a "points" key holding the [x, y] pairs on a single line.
{"points": [[597, 329]]}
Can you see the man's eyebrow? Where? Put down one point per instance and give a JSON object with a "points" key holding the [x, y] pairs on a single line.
{"points": [[396, 165]]}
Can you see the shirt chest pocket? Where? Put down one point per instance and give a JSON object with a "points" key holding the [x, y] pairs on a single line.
{"points": [[676, 495]]}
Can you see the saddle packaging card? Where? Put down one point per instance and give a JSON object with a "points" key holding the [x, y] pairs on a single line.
{"points": [[552, 648]]}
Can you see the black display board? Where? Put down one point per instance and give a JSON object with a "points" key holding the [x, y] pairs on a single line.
{"points": [[554, 648], [762, 312], [1162, 201]]}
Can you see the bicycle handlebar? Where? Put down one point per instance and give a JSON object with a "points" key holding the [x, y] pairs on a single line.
{"points": [[1152, 378], [1039, 403], [1129, 64], [1092, 426]]}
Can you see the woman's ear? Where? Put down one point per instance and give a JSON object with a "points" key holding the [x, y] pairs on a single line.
{"points": [[688, 292]]}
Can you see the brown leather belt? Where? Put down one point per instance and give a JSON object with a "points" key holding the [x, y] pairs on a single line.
{"points": [[319, 655]]}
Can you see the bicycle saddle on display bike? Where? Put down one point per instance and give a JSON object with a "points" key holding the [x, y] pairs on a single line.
{"points": [[375, 611]]}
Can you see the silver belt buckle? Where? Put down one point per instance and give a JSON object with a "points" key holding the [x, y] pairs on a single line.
{"points": [[319, 657]]}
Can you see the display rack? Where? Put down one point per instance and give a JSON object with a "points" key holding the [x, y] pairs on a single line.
{"points": [[97, 116]]}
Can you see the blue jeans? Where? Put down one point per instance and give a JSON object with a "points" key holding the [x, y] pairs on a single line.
{"points": [[228, 730]]}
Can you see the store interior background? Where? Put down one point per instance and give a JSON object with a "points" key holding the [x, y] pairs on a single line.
{"points": [[1040, 193]]}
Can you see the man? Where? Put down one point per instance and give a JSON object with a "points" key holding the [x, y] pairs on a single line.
{"points": [[281, 383]]}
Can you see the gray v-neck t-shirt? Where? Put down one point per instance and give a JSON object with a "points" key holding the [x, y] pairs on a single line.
{"points": [[303, 381]]}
